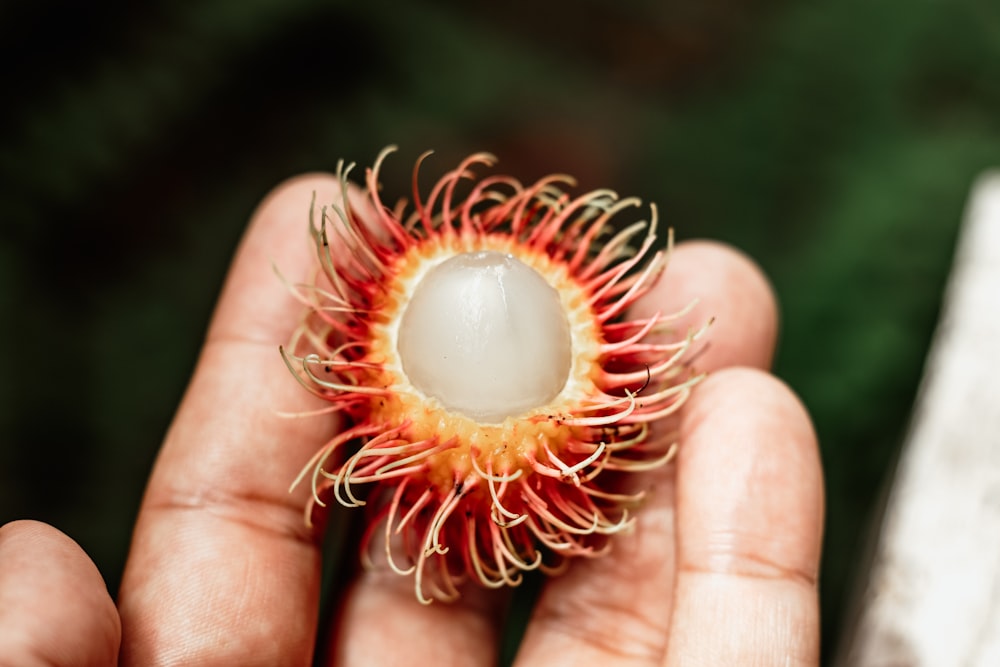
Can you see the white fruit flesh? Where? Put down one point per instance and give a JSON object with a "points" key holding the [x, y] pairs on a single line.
{"points": [[487, 336]]}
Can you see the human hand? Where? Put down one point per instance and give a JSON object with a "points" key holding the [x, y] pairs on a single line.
{"points": [[720, 569]]}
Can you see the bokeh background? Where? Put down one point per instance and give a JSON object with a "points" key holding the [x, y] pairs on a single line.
{"points": [[833, 140]]}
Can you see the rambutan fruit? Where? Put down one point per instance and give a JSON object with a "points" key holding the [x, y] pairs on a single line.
{"points": [[492, 387]]}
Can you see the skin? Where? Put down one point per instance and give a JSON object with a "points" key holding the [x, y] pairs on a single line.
{"points": [[721, 568]]}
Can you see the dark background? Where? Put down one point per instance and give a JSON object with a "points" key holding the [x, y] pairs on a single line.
{"points": [[833, 140]]}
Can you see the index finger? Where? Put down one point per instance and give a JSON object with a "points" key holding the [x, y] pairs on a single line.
{"points": [[222, 569]]}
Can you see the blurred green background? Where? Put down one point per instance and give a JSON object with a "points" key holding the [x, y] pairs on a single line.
{"points": [[833, 140]]}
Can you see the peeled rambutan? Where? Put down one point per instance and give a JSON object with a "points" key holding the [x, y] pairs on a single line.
{"points": [[493, 390]]}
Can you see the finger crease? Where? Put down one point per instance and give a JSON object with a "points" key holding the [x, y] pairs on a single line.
{"points": [[751, 566], [276, 517], [616, 630]]}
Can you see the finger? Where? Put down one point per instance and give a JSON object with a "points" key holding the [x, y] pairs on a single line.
{"points": [[457, 634], [462, 633], [222, 568], [749, 522], [615, 610], [727, 289], [54, 606], [379, 600]]}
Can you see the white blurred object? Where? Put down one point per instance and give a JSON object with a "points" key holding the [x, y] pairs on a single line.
{"points": [[933, 594]]}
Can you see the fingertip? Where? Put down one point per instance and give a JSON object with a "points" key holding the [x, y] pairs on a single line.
{"points": [[758, 401], [750, 470], [54, 606], [279, 225], [294, 188], [748, 393], [255, 304], [730, 290], [747, 326]]}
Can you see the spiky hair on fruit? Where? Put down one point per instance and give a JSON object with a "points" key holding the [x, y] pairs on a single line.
{"points": [[493, 388]]}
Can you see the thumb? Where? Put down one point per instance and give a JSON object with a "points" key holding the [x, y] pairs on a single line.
{"points": [[54, 606]]}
